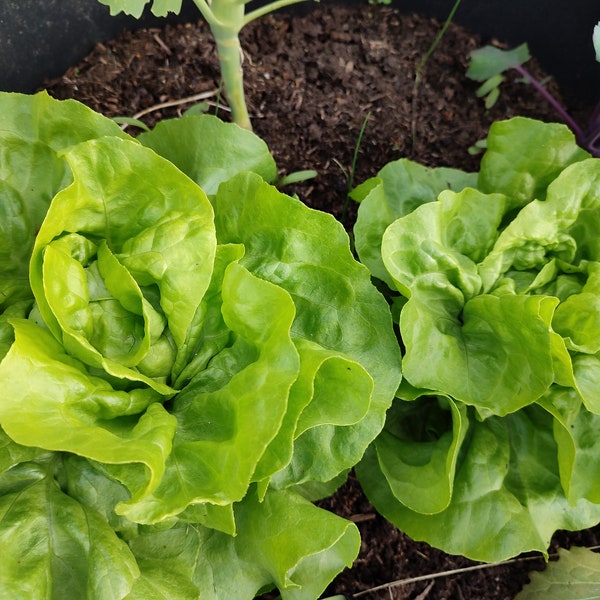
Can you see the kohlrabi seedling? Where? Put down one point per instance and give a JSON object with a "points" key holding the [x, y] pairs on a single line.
{"points": [[488, 65], [225, 18]]}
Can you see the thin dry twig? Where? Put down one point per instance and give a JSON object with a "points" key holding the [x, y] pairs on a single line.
{"points": [[170, 103], [425, 592], [362, 517], [401, 582], [166, 48]]}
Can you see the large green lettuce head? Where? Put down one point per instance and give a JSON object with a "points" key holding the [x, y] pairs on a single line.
{"points": [[181, 374], [488, 447]]}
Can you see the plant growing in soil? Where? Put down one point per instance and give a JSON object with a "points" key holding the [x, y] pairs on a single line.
{"points": [[226, 18], [488, 65], [494, 279], [186, 361]]}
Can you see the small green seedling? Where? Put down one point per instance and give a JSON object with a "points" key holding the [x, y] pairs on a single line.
{"points": [[226, 18], [349, 173], [436, 41], [131, 122], [489, 65]]}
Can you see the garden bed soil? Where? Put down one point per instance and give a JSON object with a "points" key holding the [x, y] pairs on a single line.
{"points": [[314, 78]]}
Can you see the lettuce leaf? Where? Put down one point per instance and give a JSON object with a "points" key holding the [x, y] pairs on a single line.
{"points": [[524, 156], [574, 575], [397, 190], [283, 248], [183, 142], [478, 350], [53, 545], [271, 549], [507, 495], [225, 424]]}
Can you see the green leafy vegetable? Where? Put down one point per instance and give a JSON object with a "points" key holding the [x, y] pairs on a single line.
{"points": [[574, 575], [399, 187], [55, 546], [489, 446], [180, 141], [179, 374]]}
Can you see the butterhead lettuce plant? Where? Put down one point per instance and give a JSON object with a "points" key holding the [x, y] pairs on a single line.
{"points": [[182, 370], [491, 444]]}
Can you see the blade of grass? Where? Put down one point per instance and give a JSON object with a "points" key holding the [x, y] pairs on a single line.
{"points": [[423, 62]]}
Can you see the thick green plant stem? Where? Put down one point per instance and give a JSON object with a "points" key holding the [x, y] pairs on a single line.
{"points": [[226, 19], [233, 77], [230, 59]]}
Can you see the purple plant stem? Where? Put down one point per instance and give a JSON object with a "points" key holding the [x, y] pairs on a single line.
{"points": [[579, 134]]}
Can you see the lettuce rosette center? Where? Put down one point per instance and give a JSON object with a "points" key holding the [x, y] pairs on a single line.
{"points": [[119, 287]]}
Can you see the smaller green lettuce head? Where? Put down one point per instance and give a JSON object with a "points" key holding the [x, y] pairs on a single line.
{"points": [[488, 447], [181, 376]]}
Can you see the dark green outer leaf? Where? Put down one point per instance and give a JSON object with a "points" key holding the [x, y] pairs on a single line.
{"points": [[54, 547], [210, 151], [507, 488]]}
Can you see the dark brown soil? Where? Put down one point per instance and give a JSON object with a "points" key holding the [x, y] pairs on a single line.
{"points": [[312, 79]]}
